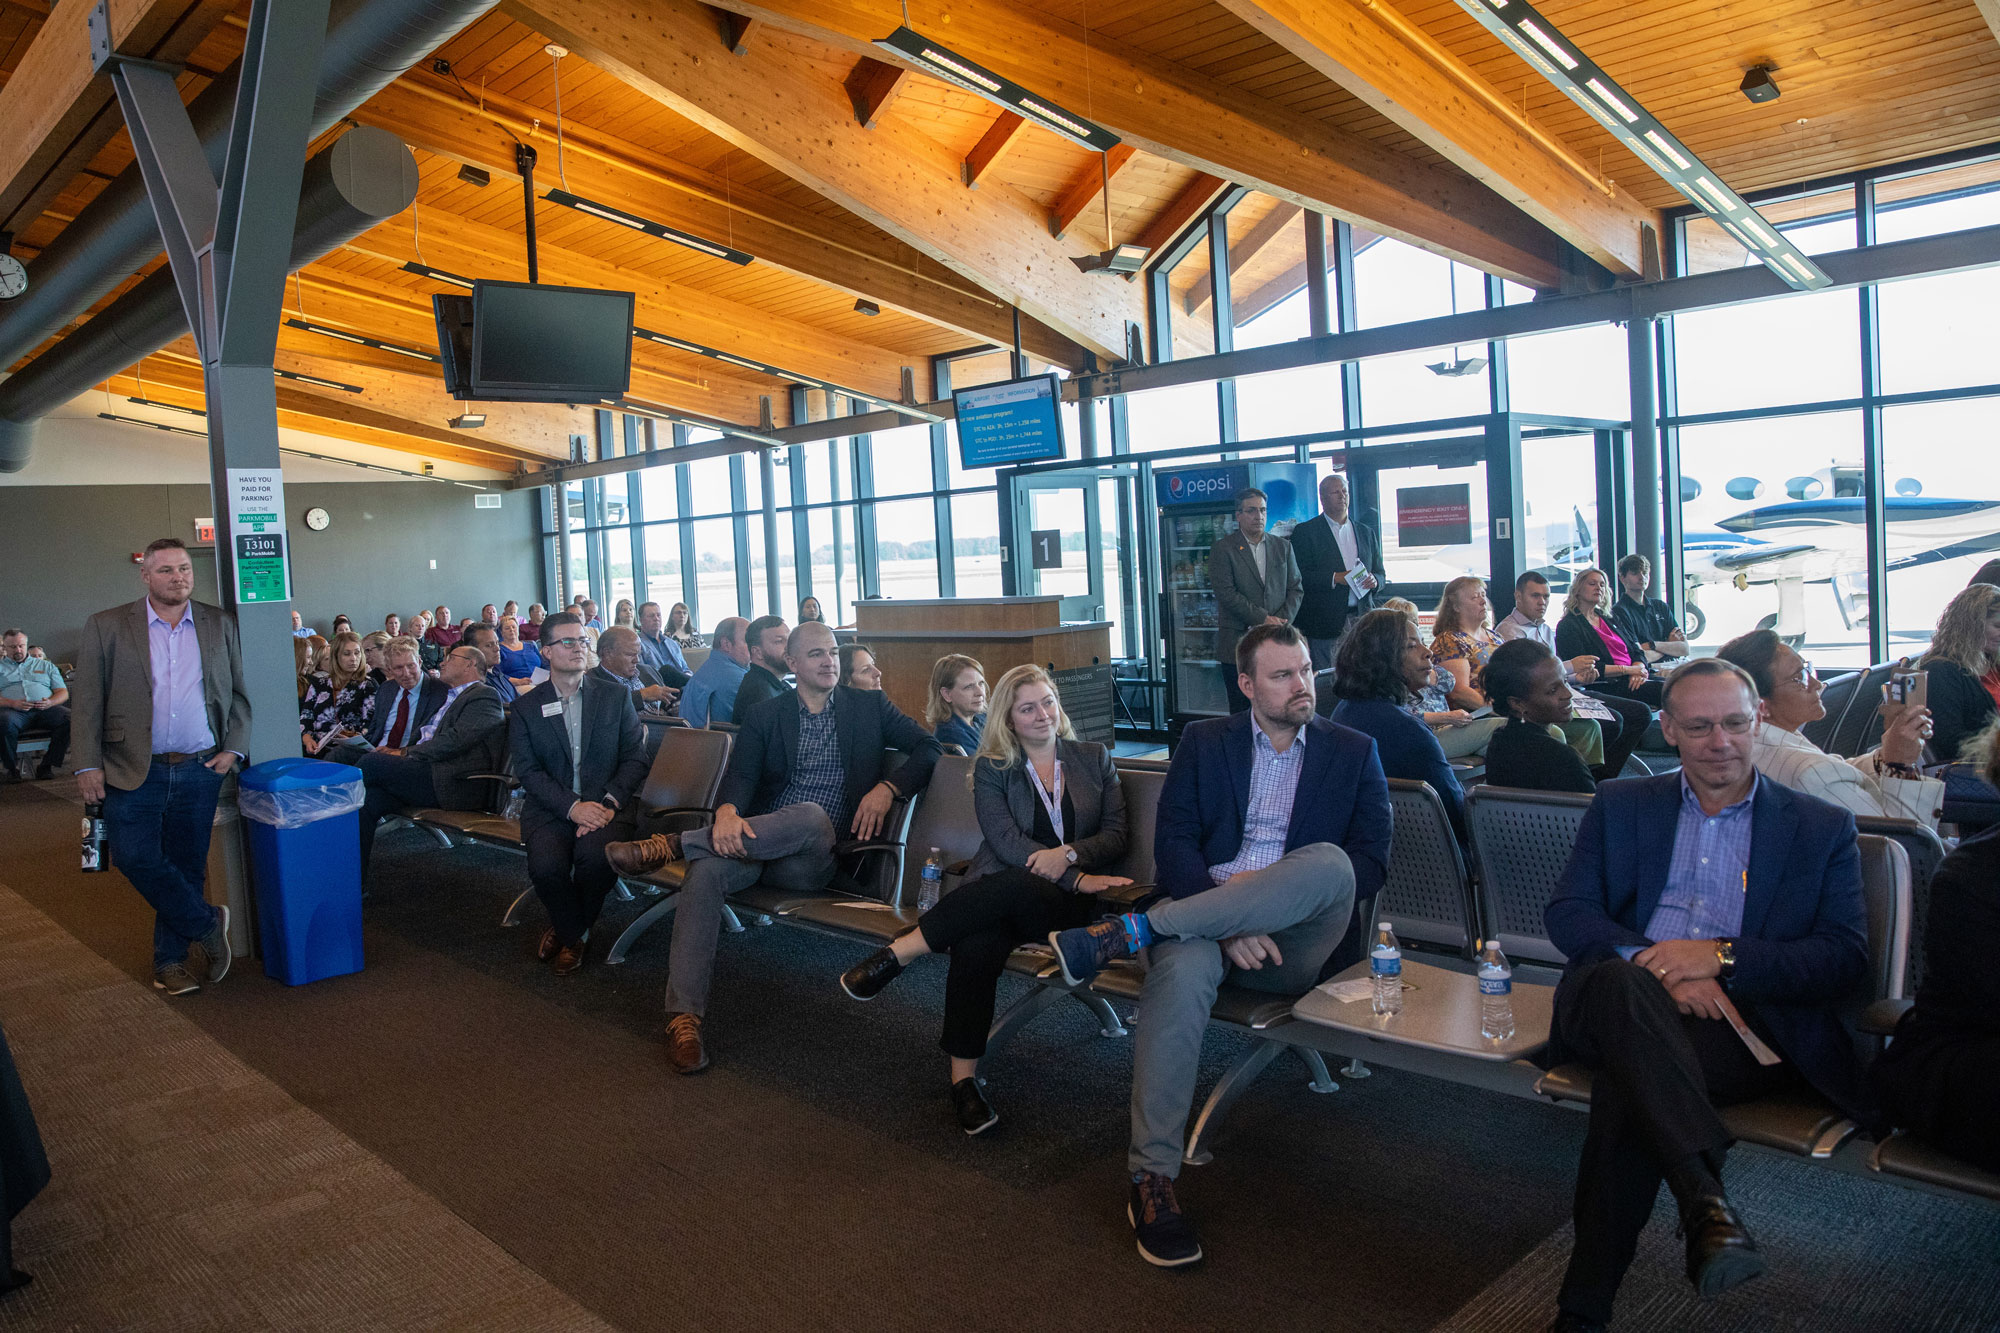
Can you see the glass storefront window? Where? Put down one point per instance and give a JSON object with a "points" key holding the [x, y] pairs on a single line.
{"points": [[1795, 349], [708, 486], [1815, 223], [906, 544], [1415, 558], [1941, 466], [1172, 418], [1393, 284], [975, 543], [659, 492], [715, 569], [903, 460], [1190, 312], [1576, 373], [1789, 487], [663, 564], [1559, 490]]}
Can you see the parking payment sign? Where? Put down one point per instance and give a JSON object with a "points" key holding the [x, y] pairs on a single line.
{"points": [[257, 523]]}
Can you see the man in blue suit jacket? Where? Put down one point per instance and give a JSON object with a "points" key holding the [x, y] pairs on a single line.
{"points": [[1272, 825], [1691, 896]]}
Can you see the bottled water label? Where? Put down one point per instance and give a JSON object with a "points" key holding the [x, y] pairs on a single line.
{"points": [[1386, 964], [1496, 985]]}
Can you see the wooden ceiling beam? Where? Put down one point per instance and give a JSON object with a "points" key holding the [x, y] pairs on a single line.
{"points": [[58, 113], [1188, 205], [993, 144], [839, 252], [780, 106], [1185, 116], [467, 248], [166, 381], [1088, 187], [1243, 250], [872, 86], [1391, 64]]}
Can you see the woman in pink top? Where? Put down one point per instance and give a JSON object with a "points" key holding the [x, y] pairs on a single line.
{"points": [[1586, 630]]}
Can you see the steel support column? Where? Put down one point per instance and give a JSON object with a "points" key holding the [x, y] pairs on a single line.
{"points": [[1646, 494], [229, 245]]}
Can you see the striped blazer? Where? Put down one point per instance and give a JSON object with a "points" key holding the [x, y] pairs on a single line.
{"points": [[1854, 784]]}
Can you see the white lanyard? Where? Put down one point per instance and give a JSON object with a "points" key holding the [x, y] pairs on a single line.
{"points": [[1052, 804]]}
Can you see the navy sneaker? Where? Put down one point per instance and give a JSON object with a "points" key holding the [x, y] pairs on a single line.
{"points": [[1083, 951], [1165, 1239], [211, 955], [975, 1114]]}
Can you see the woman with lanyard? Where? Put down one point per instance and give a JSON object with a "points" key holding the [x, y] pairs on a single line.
{"points": [[1052, 813]]}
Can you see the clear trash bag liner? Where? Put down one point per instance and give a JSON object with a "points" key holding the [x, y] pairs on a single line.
{"points": [[295, 809]]}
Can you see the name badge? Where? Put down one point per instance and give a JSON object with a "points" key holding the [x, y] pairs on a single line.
{"points": [[552, 710]]}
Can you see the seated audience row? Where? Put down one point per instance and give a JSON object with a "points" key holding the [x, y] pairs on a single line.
{"points": [[33, 695]]}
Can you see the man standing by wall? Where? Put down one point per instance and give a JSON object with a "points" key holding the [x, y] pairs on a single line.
{"points": [[161, 717], [1256, 582], [1340, 567], [32, 694]]}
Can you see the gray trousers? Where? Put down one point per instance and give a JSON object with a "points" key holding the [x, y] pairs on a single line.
{"points": [[1302, 901], [793, 849], [1321, 652]]}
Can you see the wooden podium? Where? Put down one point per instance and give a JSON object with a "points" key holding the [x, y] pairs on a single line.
{"points": [[998, 632]]}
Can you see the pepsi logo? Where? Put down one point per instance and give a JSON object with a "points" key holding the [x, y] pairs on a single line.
{"points": [[1175, 486]]}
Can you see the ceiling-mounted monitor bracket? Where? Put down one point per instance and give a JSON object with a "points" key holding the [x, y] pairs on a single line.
{"points": [[524, 162]]}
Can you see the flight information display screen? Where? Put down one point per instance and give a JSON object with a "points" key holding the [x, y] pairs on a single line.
{"points": [[1015, 421]]}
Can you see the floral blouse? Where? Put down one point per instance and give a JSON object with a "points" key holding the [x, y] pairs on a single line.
{"points": [[323, 706]]}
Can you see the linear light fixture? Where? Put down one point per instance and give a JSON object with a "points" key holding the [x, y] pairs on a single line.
{"points": [[320, 380], [659, 230], [296, 453], [937, 59], [697, 422], [413, 353], [170, 407], [1563, 63], [764, 368], [437, 274]]}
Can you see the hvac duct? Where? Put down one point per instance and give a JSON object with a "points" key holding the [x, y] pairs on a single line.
{"points": [[369, 43], [362, 178]]}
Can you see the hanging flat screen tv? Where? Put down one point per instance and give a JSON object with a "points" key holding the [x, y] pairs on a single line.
{"points": [[1015, 421], [532, 342], [454, 325]]}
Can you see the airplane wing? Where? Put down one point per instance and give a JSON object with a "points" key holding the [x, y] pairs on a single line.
{"points": [[1751, 557]]}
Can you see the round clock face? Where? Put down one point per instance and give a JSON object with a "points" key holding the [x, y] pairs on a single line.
{"points": [[13, 278], [317, 519]]}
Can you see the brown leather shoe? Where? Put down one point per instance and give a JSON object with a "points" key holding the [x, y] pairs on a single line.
{"points": [[569, 958], [684, 1044], [546, 949], [632, 859]]}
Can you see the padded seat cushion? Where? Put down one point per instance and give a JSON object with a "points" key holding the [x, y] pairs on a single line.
{"points": [[1032, 960], [477, 824], [1913, 1159], [1795, 1122], [669, 876], [771, 901]]}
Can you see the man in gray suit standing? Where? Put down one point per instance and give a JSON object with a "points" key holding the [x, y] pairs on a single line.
{"points": [[161, 717], [1256, 582]]}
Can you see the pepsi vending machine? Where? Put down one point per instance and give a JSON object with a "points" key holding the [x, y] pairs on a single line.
{"points": [[1198, 508]]}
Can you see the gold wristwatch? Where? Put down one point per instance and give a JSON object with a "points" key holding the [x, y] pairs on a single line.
{"points": [[1725, 957]]}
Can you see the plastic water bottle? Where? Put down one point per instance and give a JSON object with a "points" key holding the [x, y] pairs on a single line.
{"points": [[933, 883], [1496, 993], [94, 860], [1385, 966]]}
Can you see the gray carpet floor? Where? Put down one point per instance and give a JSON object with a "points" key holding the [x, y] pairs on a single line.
{"points": [[814, 1179]]}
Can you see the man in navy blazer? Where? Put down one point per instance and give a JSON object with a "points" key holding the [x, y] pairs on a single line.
{"points": [[1272, 825], [1692, 899]]}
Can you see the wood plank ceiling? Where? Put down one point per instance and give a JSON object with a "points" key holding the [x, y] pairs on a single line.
{"points": [[720, 146]]}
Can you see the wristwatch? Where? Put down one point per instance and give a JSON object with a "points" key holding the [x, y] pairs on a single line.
{"points": [[1725, 957], [1070, 852]]}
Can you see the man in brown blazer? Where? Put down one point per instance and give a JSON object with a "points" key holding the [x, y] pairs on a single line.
{"points": [[1256, 581], [160, 719]]}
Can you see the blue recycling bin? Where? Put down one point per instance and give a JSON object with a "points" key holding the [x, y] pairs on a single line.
{"points": [[305, 856]]}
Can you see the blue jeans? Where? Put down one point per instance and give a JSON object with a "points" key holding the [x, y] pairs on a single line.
{"points": [[158, 834]]}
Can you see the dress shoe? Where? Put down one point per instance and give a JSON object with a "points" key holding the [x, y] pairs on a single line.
{"points": [[1569, 1322], [975, 1114], [685, 1047], [569, 958], [45, 772], [1720, 1253], [632, 859], [865, 980], [548, 946]]}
